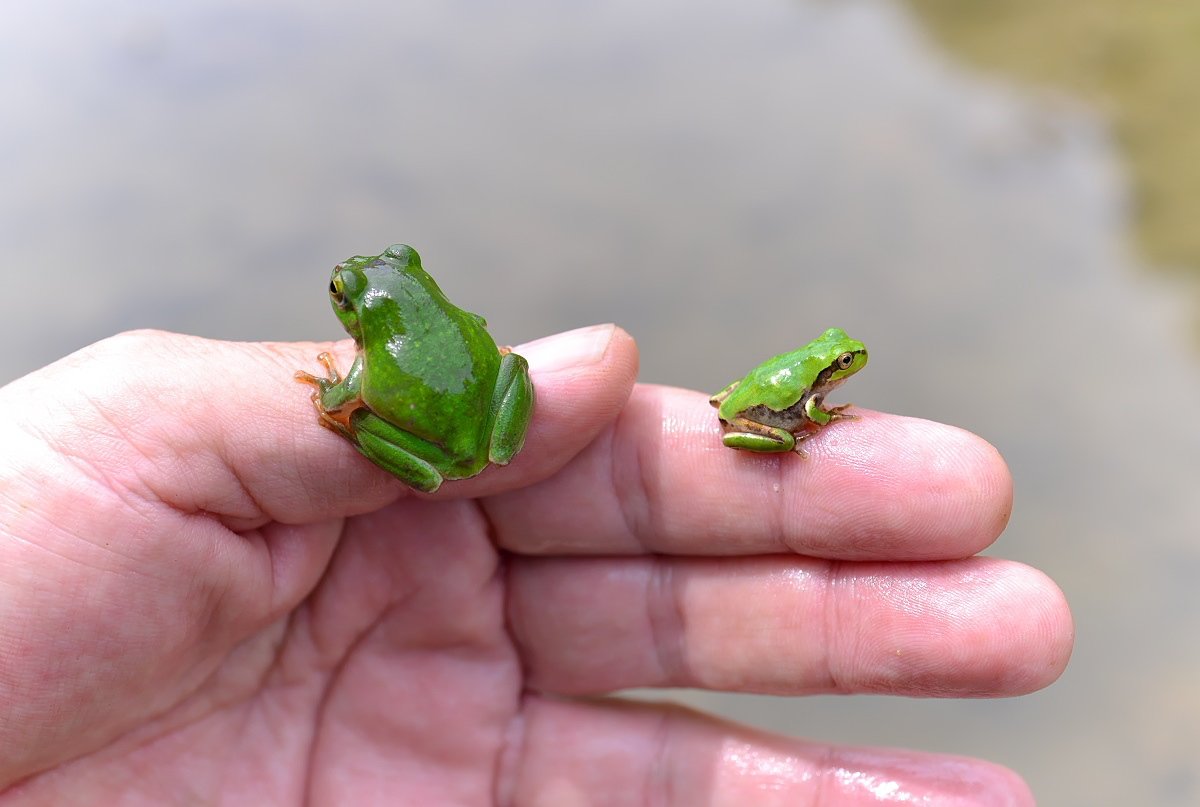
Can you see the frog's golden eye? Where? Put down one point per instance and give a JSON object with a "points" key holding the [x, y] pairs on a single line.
{"points": [[336, 291], [845, 360]]}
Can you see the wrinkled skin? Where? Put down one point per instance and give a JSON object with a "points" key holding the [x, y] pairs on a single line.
{"points": [[203, 598]]}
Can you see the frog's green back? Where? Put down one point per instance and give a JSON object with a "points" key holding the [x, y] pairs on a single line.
{"points": [[428, 366], [781, 381]]}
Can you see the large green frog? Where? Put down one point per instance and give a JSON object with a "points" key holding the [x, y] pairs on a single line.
{"points": [[429, 396]]}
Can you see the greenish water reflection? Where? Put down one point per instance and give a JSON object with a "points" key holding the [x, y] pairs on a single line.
{"points": [[1137, 62]]}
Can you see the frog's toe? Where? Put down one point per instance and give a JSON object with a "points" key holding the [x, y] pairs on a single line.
{"points": [[308, 378], [839, 413]]}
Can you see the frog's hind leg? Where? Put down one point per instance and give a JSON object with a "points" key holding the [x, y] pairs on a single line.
{"points": [[750, 436], [385, 445], [512, 403]]}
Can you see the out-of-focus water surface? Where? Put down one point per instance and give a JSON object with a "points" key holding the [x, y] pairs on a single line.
{"points": [[724, 180], [1138, 62]]}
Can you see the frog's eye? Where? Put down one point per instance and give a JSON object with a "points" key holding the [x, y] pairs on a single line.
{"points": [[845, 360], [336, 291]]}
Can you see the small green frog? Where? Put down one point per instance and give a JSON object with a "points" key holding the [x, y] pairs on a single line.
{"points": [[429, 395], [779, 403]]}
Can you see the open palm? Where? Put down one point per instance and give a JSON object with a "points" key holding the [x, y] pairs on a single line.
{"points": [[204, 597]]}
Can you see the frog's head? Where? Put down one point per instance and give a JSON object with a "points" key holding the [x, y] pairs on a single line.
{"points": [[840, 356], [347, 285], [354, 279]]}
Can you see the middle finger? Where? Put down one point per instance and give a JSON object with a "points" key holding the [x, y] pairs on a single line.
{"points": [[785, 625]]}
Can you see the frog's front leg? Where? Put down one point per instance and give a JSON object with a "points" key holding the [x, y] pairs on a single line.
{"points": [[821, 416], [750, 436], [512, 407], [335, 398]]}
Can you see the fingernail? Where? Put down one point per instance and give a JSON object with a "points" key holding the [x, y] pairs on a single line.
{"points": [[569, 349]]}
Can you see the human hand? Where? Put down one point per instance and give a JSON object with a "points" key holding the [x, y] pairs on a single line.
{"points": [[206, 597]]}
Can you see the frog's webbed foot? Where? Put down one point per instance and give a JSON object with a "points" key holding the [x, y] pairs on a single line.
{"points": [[801, 437], [335, 418], [816, 412], [839, 412], [332, 376], [834, 413]]}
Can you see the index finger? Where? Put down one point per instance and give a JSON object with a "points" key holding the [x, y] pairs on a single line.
{"points": [[659, 480]]}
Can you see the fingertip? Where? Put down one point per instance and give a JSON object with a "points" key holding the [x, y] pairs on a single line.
{"points": [[963, 462], [580, 347], [579, 376], [987, 483], [928, 490], [1043, 624], [946, 780]]}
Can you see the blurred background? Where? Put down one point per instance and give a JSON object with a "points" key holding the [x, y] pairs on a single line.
{"points": [[998, 197]]}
